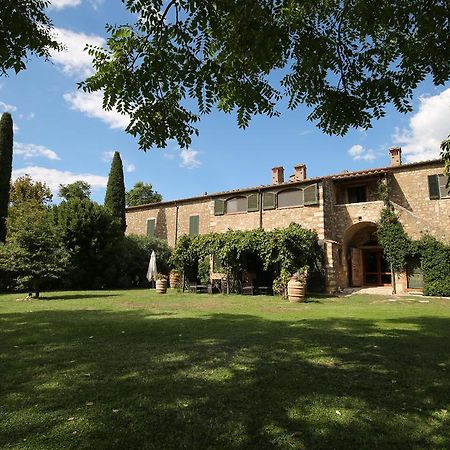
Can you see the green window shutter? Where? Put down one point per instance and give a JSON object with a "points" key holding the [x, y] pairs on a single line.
{"points": [[269, 200], [444, 186], [151, 225], [194, 225], [219, 207], [433, 187], [311, 195], [253, 202]]}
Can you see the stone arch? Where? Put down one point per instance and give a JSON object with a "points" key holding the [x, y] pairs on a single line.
{"points": [[366, 265]]}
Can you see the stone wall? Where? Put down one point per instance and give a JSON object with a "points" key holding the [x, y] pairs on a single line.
{"points": [[310, 217], [419, 214]]}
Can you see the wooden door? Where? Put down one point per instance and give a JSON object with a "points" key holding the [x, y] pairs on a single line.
{"points": [[357, 272]]}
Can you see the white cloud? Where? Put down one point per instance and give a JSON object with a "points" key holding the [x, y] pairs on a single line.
{"points": [[130, 167], [96, 3], [53, 177], [34, 151], [108, 156], [358, 152], [61, 4], [73, 59], [189, 158], [427, 128], [91, 105], [5, 107]]}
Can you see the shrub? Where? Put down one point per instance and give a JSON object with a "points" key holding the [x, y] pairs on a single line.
{"points": [[435, 257]]}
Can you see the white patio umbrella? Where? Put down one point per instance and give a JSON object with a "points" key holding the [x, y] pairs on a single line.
{"points": [[151, 272]]}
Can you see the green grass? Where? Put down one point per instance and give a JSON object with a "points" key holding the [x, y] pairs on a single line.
{"points": [[133, 370]]}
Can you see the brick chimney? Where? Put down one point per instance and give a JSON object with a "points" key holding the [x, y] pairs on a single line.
{"points": [[300, 172], [278, 175], [396, 156]]}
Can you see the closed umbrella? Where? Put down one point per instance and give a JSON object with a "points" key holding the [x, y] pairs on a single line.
{"points": [[151, 272]]}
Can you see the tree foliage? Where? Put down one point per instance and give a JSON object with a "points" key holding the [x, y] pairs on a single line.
{"points": [[445, 153], [90, 235], [25, 190], [6, 155], [281, 250], [24, 29], [435, 258], [142, 194], [33, 255], [79, 189], [345, 59], [115, 192]]}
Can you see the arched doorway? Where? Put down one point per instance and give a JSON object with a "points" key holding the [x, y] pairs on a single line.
{"points": [[367, 265]]}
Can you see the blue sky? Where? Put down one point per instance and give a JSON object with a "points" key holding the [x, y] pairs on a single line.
{"points": [[63, 135]]}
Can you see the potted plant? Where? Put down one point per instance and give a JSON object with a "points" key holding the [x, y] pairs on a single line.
{"points": [[161, 283], [175, 278]]}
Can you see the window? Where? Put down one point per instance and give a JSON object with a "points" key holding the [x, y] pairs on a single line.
{"points": [[151, 225], [236, 205], [357, 194], [194, 225], [291, 197], [437, 187]]}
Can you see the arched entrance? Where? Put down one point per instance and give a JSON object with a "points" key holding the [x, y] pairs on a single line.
{"points": [[367, 265]]}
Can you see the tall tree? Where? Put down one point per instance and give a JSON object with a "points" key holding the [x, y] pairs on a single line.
{"points": [[142, 194], [90, 235], [6, 155], [24, 29], [79, 189], [115, 191], [344, 59], [25, 190]]}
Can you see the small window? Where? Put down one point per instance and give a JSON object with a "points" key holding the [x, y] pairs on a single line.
{"points": [[291, 197], [194, 225], [151, 225], [357, 194], [236, 205]]}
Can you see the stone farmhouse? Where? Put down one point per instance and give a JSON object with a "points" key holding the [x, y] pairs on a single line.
{"points": [[343, 208]]}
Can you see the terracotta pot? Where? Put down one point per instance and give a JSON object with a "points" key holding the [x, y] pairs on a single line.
{"points": [[161, 286], [174, 279], [296, 290]]}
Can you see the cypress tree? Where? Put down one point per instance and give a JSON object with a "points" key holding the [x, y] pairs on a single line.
{"points": [[6, 154], [115, 191]]}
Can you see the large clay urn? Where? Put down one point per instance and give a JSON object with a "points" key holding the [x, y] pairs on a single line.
{"points": [[297, 288], [161, 286], [174, 279]]}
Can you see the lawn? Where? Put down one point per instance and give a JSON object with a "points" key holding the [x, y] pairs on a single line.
{"points": [[133, 370]]}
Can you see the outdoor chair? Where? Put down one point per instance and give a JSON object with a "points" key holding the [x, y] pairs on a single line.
{"points": [[248, 289]]}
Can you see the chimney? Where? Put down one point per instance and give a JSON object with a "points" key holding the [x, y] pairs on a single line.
{"points": [[300, 172], [396, 156], [278, 175]]}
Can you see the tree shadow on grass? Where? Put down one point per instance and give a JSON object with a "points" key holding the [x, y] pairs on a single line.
{"points": [[222, 381], [89, 295]]}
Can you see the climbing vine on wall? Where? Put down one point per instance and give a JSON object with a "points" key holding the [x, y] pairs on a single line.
{"points": [[282, 250], [396, 244]]}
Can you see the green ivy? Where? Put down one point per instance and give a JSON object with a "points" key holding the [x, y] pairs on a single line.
{"points": [[282, 250], [435, 258]]}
